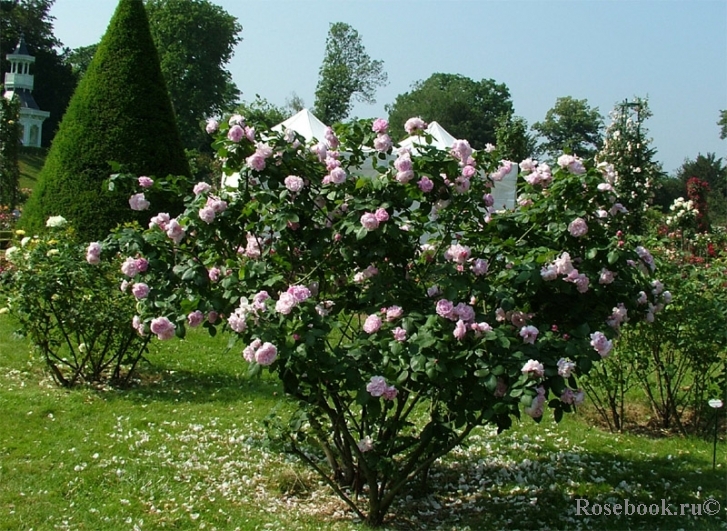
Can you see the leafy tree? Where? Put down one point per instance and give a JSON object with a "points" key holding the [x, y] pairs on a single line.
{"points": [[628, 149], [513, 140], [468, 109], [347, 73], [195, 39], [261, 110], [54, 79], [722, 123], [118, 113], [9, 143], [294, 104], [572, 126], [80, 58], [710, 169]]}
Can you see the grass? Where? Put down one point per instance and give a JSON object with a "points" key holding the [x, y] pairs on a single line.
{"points": [[31, 161], [184, 449]]}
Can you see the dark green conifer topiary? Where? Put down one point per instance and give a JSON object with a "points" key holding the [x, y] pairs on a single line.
{"points": [[120, 113]]}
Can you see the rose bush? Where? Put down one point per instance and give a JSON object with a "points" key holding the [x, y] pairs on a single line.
{"points": [[72, 311], [397, 307]]}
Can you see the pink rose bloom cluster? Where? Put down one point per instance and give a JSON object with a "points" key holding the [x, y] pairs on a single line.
{"points": [[138, 325], [201, 188], [214, 206], [366, 274], [618, 316], [378, 387], [536, 407], [404, 167], [294, 183], [371, 220], [457, 253], [291, 298], [382, 142], [252, 249], [464, 317], [238, 319], [578, 228], [529, 334], [331, 139], [536, 173], [413, 125], [572, 397], [601, 344], [195, 318], [606, 276], [380, 126], [393, 313], [399, 334], [261, 353], [257, 161], [646, 257], [133, 266], [462, 151], [533, 369], [563, 266], [138, 202], [163, 328], [572, 163], [211, 126], [480, 267], [566, 367], [175, 231], [502, 171], [425, 184], [93, 253], [213, 273], [145, 182]]}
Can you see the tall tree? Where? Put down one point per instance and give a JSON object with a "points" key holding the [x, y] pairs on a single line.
{"points": [[628, 148], [347, 73], [573, 126], [196, 39], [9, 143], [54, 80], [722, 123], [120, 112], [468, 109], [513, 140]]}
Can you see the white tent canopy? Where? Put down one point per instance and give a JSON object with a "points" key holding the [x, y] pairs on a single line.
{"points": [[305, 124], [441, 139]]}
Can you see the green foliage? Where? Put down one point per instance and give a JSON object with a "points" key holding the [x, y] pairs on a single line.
{"points": [[9, 147], [72, 311], [394, 350], [54, 79], [118, 112], [571, 126], [261, 111], [466, 108], [628, 149], [80, 59], [196, 39], [347, 73], [711, 170], [513, 141], [722, 123]]}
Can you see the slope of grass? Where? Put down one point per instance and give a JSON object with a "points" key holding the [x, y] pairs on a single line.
{"points": [[31, 161], [184, 448]]}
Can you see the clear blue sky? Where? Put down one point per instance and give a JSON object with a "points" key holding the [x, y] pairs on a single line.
{"points": [[672, 51]]}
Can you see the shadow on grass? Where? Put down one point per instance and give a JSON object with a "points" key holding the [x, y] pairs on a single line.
{"points": [[542, 493]]}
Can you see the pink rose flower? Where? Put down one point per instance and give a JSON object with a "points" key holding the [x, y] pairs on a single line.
{"points": [[294, 183], [457, 253], [138, 202], [566, 367], [214, 273], [578, 227], [529, 334], [207, 214], [249, 351], [369, 221], [606, 276], [381, 215], [535, 409], [399, 334], [161, 220], [380, 126], [425, 184], [601, 344], [201, 188], [389, 393], [299, 293], [175, 231], [465, 312], [377, 386], [212, 126], [502, 171], [331, 138], [146, 182], [266, 354], [235, 133], [461, 150], [460, 330], [256, 161], [195, 318], [383, 143], [140, 290], [93, 253], [480, 267], [393, 313], [285, 304], [338, 175], [413, 125], [372, 324], [163, 328], [130, 267], [563, 264], [445, 309], [533, 369]]}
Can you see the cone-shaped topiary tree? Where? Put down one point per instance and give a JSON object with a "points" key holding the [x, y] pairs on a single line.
{"points": [[120, 113]]}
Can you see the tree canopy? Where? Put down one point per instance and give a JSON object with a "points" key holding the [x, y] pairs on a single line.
{"points": [[571, 125], [347, 74], [468, 109], [722, 123]]}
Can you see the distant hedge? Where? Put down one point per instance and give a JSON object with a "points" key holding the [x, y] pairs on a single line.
{"points": [[120, 112]]}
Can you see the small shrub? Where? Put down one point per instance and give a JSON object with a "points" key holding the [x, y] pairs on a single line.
{"points": [[72, 311]]}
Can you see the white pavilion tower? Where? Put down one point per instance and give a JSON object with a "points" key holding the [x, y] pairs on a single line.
{"points": [[19, 82]]}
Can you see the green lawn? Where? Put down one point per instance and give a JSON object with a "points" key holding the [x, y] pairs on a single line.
{"points": [[31, 161], [185, 449]]}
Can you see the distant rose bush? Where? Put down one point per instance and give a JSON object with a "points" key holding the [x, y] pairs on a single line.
{"points": [[382, 287]]}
